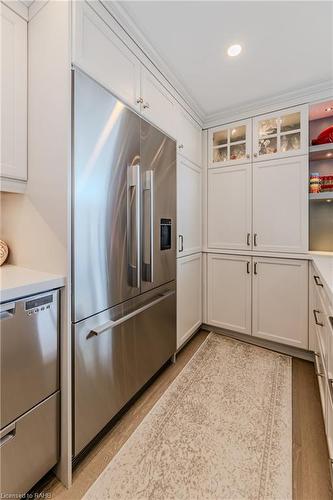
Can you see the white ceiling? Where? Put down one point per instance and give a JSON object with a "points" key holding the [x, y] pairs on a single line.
{"points": [[286, 45]]}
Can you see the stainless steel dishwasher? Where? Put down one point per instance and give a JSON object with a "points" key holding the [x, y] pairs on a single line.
{"points": [[29, 417]]}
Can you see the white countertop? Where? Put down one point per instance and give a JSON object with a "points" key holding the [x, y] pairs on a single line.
{"points": [[16, 282], [323, 262]]}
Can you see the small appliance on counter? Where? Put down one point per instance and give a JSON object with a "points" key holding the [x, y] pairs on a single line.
{"points": [[29, 436]]}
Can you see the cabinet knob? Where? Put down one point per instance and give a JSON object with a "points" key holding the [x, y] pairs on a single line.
{"points": [[146, 105], [248, 241], [255, 268], [181, 146], [181, 243], [255, 155], [248, 267], [139, 100], [247, 156], [255, 236]]}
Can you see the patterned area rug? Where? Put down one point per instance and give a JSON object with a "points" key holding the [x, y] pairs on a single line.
{"points": [[222, 430]]}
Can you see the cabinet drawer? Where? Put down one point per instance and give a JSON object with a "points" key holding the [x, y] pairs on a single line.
{"points": [[29, 447]]}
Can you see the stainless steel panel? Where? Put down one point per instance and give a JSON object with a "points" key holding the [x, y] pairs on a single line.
{"points": [[158, 174], [29, 353], [29, 447], [112, 364], [106, 145]]}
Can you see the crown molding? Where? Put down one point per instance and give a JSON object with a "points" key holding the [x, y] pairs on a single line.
{"points": [[118, 12], [312, 93], [18, 7]]}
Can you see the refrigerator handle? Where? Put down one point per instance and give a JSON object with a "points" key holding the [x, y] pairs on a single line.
{"points": [[133, 228], [148, 265], [112, 324]]}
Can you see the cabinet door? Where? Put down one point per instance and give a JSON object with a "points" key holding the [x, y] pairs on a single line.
{"points": [[158, 105], [280, 301], [229, 207], [280, 134], [280, 205], [230, 144], [13, 95], [189, 296], [229, 292], [102, 55], [189, 207], [189, 137]]}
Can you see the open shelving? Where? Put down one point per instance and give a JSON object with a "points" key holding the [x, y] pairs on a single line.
{"points": [[321, 152]]}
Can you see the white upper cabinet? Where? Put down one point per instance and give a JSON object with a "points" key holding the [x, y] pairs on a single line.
{"points": [[189, 137], [189, 296], [230, 144], [13, 96], [280, 301], [229, 292], [280, 206], [157, 104], [189, 207], [281, 134], [99, 52], [229, 217]]}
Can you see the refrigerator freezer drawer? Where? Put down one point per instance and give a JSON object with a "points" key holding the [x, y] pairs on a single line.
{"points": [[29, 353], [116, 353], [29, 447]]}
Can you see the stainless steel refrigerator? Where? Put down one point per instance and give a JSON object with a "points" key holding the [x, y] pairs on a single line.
{"points": [[123, 255]]}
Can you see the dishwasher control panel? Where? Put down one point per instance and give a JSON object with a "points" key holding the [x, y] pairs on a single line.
{"points": [[38, 304]]}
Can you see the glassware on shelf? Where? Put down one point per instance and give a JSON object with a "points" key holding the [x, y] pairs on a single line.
{"points": [[238, 134], [291, 122], [290, 142], [268, 146], [268, 127], [220, 154], [220, 138]]}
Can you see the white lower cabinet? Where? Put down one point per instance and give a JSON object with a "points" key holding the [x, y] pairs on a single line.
{"points": [[265, 297], [189, 296], [229, 292], [280, 300]]}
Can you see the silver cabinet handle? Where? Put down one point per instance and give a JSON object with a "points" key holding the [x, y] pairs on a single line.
{"points": [[317, 281], [255, 238], [146, 105], [112, 324], [139, 100], [181, 242], [248, 239], [148, 228], [7, 433], [181, 146], [318, 371], [315, 312], [133, 248], [248, 270], [255, 268]]}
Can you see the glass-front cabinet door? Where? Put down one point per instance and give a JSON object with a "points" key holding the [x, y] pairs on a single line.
{"points": [[280, 134], [230, 144]]}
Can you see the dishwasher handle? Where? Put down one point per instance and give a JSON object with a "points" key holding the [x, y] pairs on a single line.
{"points": [[112, 324], [7, 310]]}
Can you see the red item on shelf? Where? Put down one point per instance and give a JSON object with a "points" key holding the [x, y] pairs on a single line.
{"points": [[324, 137]]}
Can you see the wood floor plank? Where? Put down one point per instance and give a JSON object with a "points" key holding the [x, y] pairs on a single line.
{"points": [[311, 476], [311, 479]]}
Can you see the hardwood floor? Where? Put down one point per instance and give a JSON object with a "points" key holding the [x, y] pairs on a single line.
{"points": [[310, 456]]}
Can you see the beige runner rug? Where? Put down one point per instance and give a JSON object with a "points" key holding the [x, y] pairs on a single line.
{"points": [[222, 430]]}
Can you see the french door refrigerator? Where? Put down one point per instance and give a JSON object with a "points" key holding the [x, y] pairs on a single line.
{"points": [[123, 255]]}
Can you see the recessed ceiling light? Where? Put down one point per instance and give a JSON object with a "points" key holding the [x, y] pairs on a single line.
{"points": [[330, 108], [234, 50]]}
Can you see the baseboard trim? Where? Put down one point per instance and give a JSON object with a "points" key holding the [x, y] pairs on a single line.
{"points": [[295, 352]]}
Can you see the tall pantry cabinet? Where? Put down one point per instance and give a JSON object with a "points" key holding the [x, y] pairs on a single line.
{"points": [[257, 207]]}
